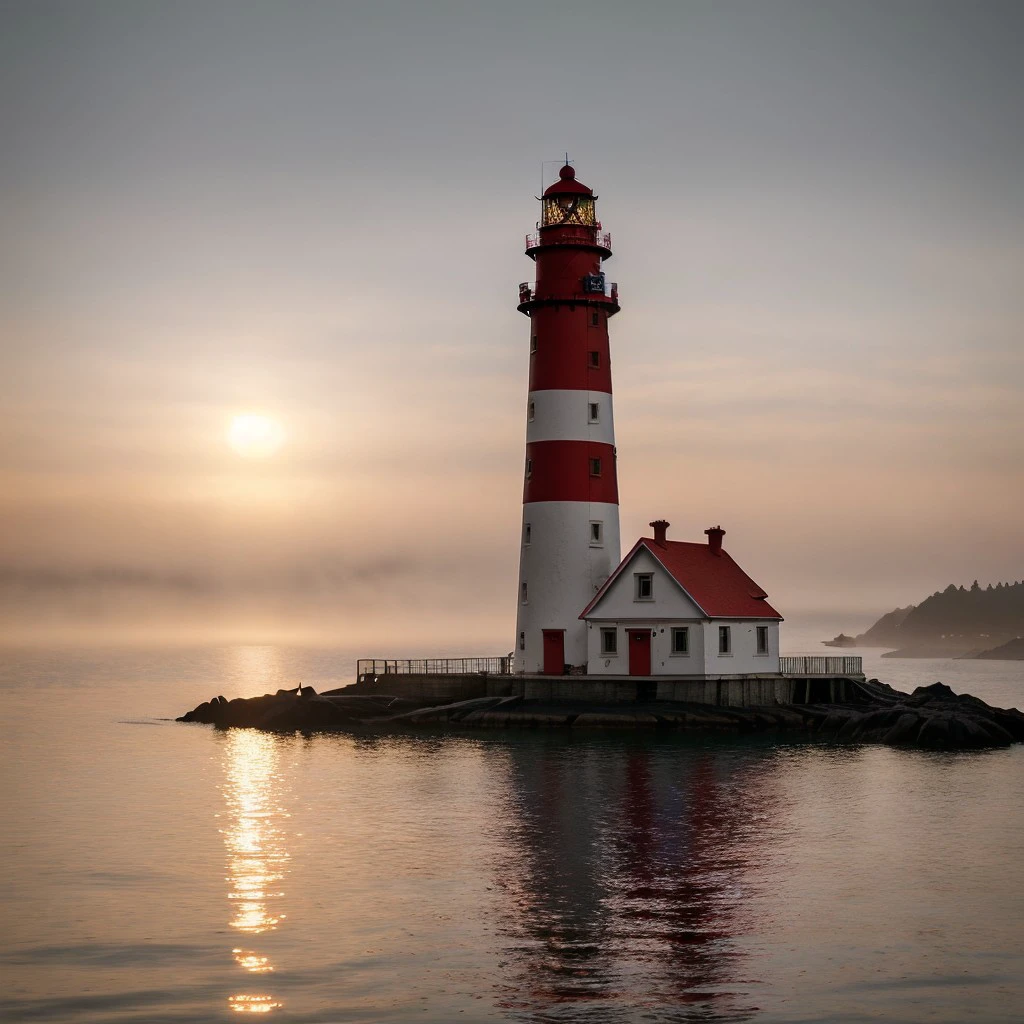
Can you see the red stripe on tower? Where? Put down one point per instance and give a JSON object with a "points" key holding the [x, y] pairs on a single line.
{"points": [[570, 471]]}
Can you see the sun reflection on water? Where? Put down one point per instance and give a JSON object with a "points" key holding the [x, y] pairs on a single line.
{"points": [[257, 856]]}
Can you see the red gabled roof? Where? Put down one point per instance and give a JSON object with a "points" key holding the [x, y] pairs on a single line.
{"points": [[714, 582]]}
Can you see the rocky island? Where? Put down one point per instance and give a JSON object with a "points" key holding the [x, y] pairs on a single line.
{"points": [[958, 622], [932, 717]]}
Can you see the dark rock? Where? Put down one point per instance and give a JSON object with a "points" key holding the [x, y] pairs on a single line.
{"points": [[936, 734], [904, 731]]}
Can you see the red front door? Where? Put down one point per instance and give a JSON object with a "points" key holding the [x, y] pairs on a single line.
{"points": [[554, 652], [639, 652]]}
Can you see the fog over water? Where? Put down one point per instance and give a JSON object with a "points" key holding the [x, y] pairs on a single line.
{"points": [[316, 213]]}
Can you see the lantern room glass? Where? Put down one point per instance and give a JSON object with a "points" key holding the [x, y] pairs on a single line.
{"points": [[576, 210]]}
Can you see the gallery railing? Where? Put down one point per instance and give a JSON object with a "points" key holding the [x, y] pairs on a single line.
{"points": [[581, 236], [821, 665], [433, 666]]}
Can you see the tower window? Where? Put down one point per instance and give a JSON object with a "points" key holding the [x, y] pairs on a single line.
{"points": [[681, 640], [595, 359], [522, 641], [531, 411], [643, 583], [596, 533], [609, 641], [762, 640], [725, 640], [529, 468], [527, 533], [595, 412], [594, 318], [595, 467], [533, 342], [523, 595]]}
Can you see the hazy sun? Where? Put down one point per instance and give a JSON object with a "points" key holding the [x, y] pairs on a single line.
{"points": [[255, 437]]}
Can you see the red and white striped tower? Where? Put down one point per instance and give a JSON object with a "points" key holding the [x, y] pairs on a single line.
{"points": [[570, 537]]}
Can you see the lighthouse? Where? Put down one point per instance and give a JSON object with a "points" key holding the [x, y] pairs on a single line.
{"points": [[570, 528]]}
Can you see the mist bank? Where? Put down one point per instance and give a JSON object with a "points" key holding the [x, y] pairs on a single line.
{"points": [[385, 613]]}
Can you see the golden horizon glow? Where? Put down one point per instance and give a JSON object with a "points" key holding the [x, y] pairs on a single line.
{"points": [[255, 436]]}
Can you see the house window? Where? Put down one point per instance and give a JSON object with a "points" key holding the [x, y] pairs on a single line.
{"points": [[527, 533], [595, 467], [529, 468], [594, 319], [533, 343], [725, 639], [596, 533], [681, 640], [609, 641], [595, 412], [523, 594], [595, 359], [644, 586], [762, 639], [522, 641], [531, 411]]}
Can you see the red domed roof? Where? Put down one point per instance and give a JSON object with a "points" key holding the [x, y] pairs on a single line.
{"points": [[567, 184]]}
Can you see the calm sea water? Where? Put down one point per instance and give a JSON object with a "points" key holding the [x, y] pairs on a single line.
{"points": [[156, 872]]}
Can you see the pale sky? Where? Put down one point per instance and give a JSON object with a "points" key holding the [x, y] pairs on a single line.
{"points": [[315, 211]]}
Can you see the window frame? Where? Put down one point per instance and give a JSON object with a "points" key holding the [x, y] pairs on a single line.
{"points": [[522, 640], [759, 651], [613, 633], [638, 579], [598, 540], [527, 534], [725, 634], [529, 468], [524, 593], [533, 343], [595, 465], [593, 412], [531, 411], [595, 359], [683, 631]]}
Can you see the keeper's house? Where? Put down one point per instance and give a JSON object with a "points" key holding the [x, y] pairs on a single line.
{"points": [[673, 608]]}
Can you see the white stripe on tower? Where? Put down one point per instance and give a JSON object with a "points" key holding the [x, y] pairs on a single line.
{"points": [[570, 416]]}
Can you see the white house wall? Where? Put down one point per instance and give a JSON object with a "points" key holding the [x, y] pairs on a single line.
{"points": [[744, 659], [669, 601], [703, 657], [663, 661]]}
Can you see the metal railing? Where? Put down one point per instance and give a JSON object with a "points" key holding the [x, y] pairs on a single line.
{"points": [[581, 236], [821, 665], [528, 292], [501, 666]]}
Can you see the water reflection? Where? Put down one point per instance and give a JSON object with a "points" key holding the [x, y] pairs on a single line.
{"points": [[257, 855], [626, 877]]}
